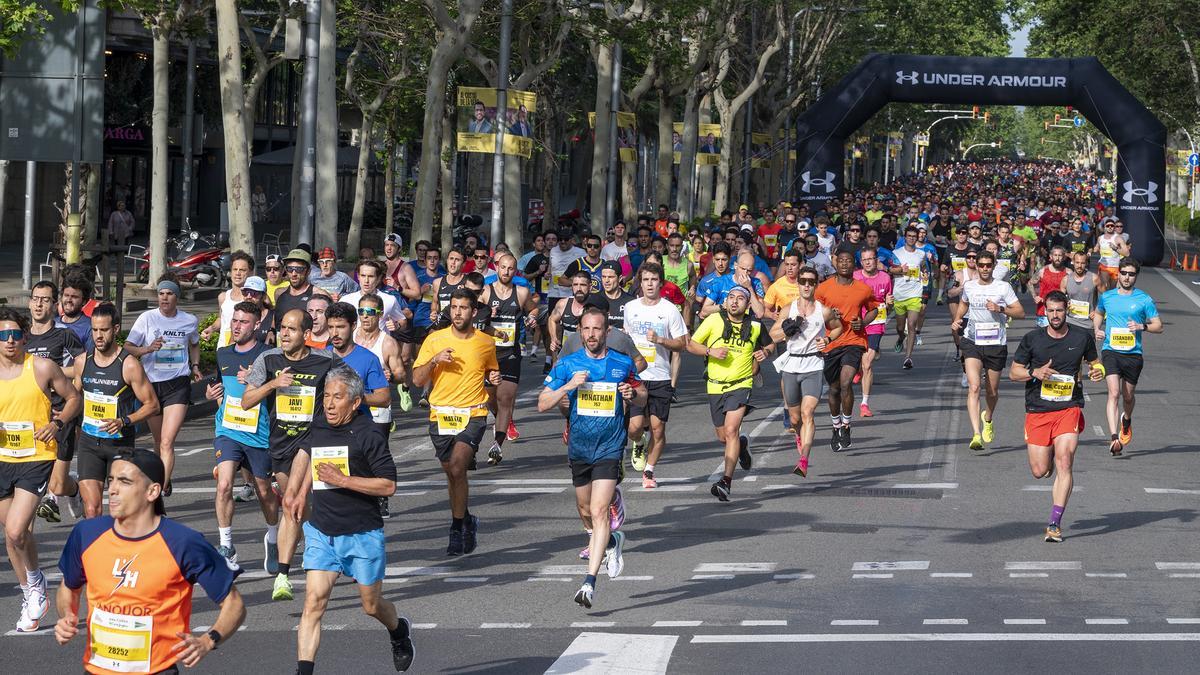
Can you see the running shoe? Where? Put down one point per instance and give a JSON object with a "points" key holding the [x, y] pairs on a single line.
{"points": [[470, 534], [512, 434], [75, 503], [846, 437], [385, 510], [585, 552], [423, 402], [745, 459], [720, 491], [648, 481], [616, 510], [270, 556], [1126, 429], [835, 441], [584, 595], [614, 560], [455, 547], [48, 511], [976, 443], [405, 397], [495, 454], [965, 383], [908, 364], [243, 493], [865, 411], [403, 649], [283, 588], [801, 468], [472, 465], [229, 553], [899, 345], [34, 608], [1116, 447], [1054, 533], [857, 378], [919, 342], [989, 429], [637, 458]]}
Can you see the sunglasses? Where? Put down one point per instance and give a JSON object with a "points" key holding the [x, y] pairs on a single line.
{"points": [[591, 245], [273, 268], [985, 265], [14, 334], [480, 257], [855, 229], [806, 281], [369, 311], [789, 221], [295, 268], [248, 293], [1123, 273], [972, 257]]}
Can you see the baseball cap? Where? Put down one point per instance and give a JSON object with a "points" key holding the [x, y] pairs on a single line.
{"points": [[300, 255], [743, 207], [611, 265], [326, 254], [395, 238], [151, 466], [274, 257], [597, 300], [254, 284]]}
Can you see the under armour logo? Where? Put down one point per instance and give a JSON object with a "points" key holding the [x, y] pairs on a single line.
{"points": [[906, 78], [826, 182], [1131, 190]]}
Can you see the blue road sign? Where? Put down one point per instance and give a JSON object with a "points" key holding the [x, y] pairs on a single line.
{"points": [[1079, 121], [1194, 160]]}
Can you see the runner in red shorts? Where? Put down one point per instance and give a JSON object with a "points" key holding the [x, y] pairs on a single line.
{"points": [[1047, 361]]}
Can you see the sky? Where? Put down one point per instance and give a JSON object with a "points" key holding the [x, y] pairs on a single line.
{"points": [[1018, 41]]}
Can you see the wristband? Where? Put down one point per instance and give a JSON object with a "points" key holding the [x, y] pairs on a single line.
{"points": [[58, 423]]}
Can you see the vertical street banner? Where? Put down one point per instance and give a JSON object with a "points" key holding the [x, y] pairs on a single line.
{"points": [[789, 143], [677, 140], [478, 121], [626, 135], [708, 149], [761, 151]]}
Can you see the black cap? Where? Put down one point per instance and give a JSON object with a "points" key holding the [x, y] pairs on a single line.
{"points": [[611, 265], [597, 300], [151, 465]]}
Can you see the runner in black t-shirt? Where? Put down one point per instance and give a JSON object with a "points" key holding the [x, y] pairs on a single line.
{"points": [[1047, 361]]}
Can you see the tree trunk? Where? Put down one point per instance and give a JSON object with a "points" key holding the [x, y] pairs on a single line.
{"points": [[448, 159], [444, 56], [729, 137], [550, 182], [628, 208], [233, 122], [704, 180], [687, 160], [327, 133], [158, 157], [354, 235], [389, 188], [665, 162], [603, 108], [91, 205], [3, 188]]}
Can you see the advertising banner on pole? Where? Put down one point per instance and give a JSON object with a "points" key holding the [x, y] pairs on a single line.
{"points": [[708, 150], [626, 135], [761, 159], [478, 120]]}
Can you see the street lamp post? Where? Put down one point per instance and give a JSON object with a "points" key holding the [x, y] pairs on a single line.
{"points": [[979, 145]]}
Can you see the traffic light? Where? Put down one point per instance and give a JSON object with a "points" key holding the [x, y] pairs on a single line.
{"points": [[974, 111], [987, 116], [1069, 109]]}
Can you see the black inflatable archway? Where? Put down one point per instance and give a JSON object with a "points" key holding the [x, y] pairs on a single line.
{"points": [[1082, 83]]}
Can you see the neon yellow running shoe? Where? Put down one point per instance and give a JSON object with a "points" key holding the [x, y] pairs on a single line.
{"points": [[989, 430], [282, 589], [976, 443]]}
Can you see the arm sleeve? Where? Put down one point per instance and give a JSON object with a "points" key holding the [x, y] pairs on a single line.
{"points": [[258, 372], [137, 334], [200, 563]]}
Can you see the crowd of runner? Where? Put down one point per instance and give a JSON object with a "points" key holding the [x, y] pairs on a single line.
{"points": [[315, 366]]}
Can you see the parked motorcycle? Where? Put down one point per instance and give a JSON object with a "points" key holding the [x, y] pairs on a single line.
{"points": [[194, 259]]}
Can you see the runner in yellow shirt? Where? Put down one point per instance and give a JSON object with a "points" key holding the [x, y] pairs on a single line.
{"points": [[454, 362], [785, 289]]}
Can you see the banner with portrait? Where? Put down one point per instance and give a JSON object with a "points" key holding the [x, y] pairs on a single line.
{"points": [[478, 121], [708, 146], [626, 135], [790, 144], [760, 146]]}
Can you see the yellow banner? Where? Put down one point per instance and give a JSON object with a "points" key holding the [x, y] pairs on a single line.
{"points": [[477, 121], [761, 159], [626, 134], [791, 143], [708, 149]]}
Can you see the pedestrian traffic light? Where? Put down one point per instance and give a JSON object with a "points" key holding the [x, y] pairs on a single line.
{"points": [[974, 111]]}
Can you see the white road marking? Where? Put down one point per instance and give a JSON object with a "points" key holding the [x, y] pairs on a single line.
{"points": [[1183, 621], [465, 580], [1098, 429], [563, 570], [925, 486], [593, 624], [189, 453], [891, 565], [505, 625], [944, 622], [950, 575], [750, 479], [1170, 491], [410, 493], [671, 488], [1106, 575], [717, 473], [764, 622], [424, 626], [675, 624], [784, 486], [788, 577], [528, 490], [854, 622], [548, 579], [1044, 565], [1106, 622], [1187, 292], [1086, 397], [1185, 575], [889, 575], [419, 571], [1028, 575], [48, 630], [634, 578], [596, 653], [712, 577], [742, 638], [1177, 565], [750, 567], [1024, 622]]}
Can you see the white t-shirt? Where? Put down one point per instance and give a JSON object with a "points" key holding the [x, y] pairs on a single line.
{"points": [[985, 327], [666, 321], [1108, 249], [614, 251], [910, 285], [178, 333], [391, 308], [825, 243], [559, 260], [804, 342]]}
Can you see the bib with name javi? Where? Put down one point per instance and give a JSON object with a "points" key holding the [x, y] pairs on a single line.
{"points": [[295, 403], [338, 456], [18, 440], [120, 643], [98, 407], [236, 419], [451, 421], [1122, 339], [1080, 309], [596, 399], [988, 333], [1058, 388]]}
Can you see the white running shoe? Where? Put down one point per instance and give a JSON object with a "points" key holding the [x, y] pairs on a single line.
{"points": [[244, 493], [965, 384], [33, 609], [615, 561]]}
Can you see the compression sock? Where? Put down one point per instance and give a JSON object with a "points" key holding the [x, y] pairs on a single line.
{"points": [[305, 667], [866, 399], [1056, 514], [34, 577]]}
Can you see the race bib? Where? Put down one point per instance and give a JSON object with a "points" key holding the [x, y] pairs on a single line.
{"points": [[451, 421], [770, 240], [236, 419], [338, 456], [648, 351], [988, 333], [97, 408], [1106, 251], [120, 643], [1058, 388], [1080, 309], [913, 273], [1122, 339], [171, 356], [381, 415], [427, 296], [596, 399], [506, 333], [224, 339], [18, 440], [958, 264], [295, 403], [881, 317]]}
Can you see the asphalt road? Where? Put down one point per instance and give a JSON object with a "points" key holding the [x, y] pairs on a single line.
{"points": [[907, 538]]}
